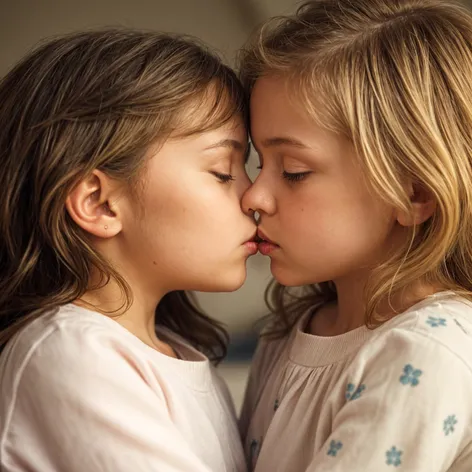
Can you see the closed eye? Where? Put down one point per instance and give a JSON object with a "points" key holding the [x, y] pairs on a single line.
{"points": [[223, 178], [295, 176]]}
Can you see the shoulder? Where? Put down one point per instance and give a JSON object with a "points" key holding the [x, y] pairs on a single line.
{"points": [[433, 336], [67, 329], [65, 347]]}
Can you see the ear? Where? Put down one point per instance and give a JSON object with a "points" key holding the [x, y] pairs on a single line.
{"points": [[423, 206], [92, 205]]}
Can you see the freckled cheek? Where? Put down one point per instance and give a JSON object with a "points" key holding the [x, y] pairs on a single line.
{"points": [[296, 223]]}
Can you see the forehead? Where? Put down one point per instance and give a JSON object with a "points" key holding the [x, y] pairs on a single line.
{"points": [[275, 112], [232, 135], [280, 122]]}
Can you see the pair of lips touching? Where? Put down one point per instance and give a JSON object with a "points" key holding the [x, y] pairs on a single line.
{"points": [[260, 238]]}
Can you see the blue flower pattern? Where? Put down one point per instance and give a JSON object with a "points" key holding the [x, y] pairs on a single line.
{"points": [[334, 448], [353, 393], [394, 457], [449, 423], [436, 322], [254, 450], [410, 376]]}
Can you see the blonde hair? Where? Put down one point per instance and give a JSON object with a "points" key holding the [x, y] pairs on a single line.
{"points": [[394, 76], [85, 101]]}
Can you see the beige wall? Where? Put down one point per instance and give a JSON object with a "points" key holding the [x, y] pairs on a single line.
{"points": [[24, 22], [224, 24]]}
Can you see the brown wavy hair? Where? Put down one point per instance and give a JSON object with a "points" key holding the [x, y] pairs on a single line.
{"points": [[85, 101], [394, 76]]}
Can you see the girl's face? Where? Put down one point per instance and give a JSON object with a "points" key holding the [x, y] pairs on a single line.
{"points": [[187, 230], [311, 195]]}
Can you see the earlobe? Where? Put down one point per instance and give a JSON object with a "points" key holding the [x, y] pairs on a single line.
{"points": [[89, 205], [423, 206]]}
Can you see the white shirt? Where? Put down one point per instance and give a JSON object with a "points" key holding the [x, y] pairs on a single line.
{"points": [[80, 393]]}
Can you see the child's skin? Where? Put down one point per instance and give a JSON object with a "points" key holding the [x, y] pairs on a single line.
{"points": [[316, 206], [361, 116], [187, 216]]}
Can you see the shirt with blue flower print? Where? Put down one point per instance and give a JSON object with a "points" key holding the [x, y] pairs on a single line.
{"points": [[397, 398]]}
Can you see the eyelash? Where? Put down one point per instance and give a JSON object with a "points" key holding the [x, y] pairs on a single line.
{"points": [[295, 176], [292, 177], [224, 178]]}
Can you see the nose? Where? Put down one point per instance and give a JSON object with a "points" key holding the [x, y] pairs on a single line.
{"points": [[258, 198]]}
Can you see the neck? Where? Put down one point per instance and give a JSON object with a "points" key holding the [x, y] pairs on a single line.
{"points": [[349, 312], [350, 306], [138, 317]]}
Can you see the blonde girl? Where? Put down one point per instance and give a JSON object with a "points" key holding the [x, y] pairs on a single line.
{"points": [[361, 113]]}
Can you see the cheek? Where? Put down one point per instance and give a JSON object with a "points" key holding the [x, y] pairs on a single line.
{"points": [[304, 215], [328, 223], [163, 218], [193, 218]]}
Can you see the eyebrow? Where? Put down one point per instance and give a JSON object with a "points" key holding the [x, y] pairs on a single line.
{"points": [[232, 144], [283, 141], [227, 143]]}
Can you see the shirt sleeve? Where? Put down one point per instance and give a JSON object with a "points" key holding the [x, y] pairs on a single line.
{"points": [[82, 405], [406, 407]]}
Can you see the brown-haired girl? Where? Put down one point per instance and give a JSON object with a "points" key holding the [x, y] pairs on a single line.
{"points": [[122, 166]]}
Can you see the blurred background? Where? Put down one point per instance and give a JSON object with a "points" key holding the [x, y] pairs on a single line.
{"points": [[224, 25]]}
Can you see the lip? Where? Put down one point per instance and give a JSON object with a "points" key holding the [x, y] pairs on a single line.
{"points": [[264, 238], [252, 244], [266, 245]]}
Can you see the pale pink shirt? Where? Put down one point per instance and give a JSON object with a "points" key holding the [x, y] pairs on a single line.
{"points": [[397, 398], [80, 393]]}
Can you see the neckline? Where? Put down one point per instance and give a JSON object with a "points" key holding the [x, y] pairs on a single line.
{"points": [[192, 366], [311, 350]]}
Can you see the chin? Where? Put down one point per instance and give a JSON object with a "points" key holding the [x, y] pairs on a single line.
{"points": [[289, 277], [226, 282]]}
